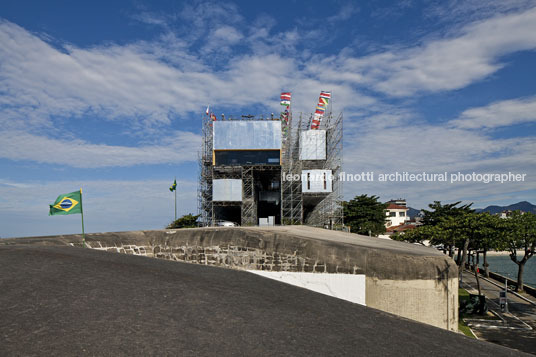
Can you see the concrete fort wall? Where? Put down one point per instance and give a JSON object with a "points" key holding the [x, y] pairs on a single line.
{"points": [[407, 280]]}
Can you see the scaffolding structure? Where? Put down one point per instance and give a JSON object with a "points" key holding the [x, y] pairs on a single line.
{"points": [[205, 205], [249, 206], [291, 189], [329, 210], [322, 209], [328, 206]]}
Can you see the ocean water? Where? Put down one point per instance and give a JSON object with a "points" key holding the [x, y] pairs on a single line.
{"points": [[505, 266]]}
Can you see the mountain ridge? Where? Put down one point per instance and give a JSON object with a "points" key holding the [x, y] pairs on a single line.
{"points": [[523, 206]]}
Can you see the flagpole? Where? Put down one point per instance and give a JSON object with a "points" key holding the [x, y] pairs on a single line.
{"points": [[175, 199], [82, 214]]}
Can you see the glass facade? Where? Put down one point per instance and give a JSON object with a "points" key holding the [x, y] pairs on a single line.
{"points": [[246, 157]]}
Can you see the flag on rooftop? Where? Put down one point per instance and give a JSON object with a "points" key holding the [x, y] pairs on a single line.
{"points": [[320, 109], [285, 98], [69, 203]]}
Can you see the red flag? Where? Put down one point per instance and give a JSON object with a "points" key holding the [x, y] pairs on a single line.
{"points": [[285, 96], [324, 94]]}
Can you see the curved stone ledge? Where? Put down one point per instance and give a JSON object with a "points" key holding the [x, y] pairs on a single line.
{"points": [[412, 281], [295, 248]]}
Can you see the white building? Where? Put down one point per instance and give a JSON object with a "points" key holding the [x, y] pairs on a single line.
{"points": [[397, 214], [506, 214]]}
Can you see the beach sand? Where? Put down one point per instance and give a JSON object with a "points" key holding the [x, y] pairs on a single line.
{"points": [[494, 253]]}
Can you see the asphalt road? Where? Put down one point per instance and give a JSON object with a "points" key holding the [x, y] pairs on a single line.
{"points": [[74, 301], [515, 329]]}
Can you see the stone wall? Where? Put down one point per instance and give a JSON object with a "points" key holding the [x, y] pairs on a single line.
{"points": [[229, 256], [407, 280]]}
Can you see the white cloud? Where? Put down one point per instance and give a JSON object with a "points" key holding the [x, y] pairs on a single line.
{"points": [[129, 82], [198, 19], [154, 82], [498, 114], [220, 41], [110, 81], [471, 10], [226, 35], [44, 86], [150, 18], [394, 142], [18, 145], [344, 13], [443, 64]]}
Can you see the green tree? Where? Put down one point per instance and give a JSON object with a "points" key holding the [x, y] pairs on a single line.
{"points": [[363, 214], [521, 235], [450, 216], [433, 234], [471, 231], [462, 228], [481, 233], [440, 211], [186, 221], [490, 235]]}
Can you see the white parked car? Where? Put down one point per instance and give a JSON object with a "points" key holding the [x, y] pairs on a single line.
{"points": [[226, 224]]}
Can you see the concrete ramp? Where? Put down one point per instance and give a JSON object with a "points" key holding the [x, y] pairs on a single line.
{"points": [[412, 281]]}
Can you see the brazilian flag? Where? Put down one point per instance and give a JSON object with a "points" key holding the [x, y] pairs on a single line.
{"points": [[69, 203], [174, 186]]}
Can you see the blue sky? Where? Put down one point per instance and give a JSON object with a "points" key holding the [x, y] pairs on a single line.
{"points": [[108, 96]]}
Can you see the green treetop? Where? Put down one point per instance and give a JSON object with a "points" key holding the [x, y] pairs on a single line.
{"points": [[363, 214]]}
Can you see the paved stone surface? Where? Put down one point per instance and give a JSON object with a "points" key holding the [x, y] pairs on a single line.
{"points": [[58, 300], [516, 329]]}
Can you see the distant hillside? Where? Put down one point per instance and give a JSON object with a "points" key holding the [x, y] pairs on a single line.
{"points": [[412, 212], [521, 206]]}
